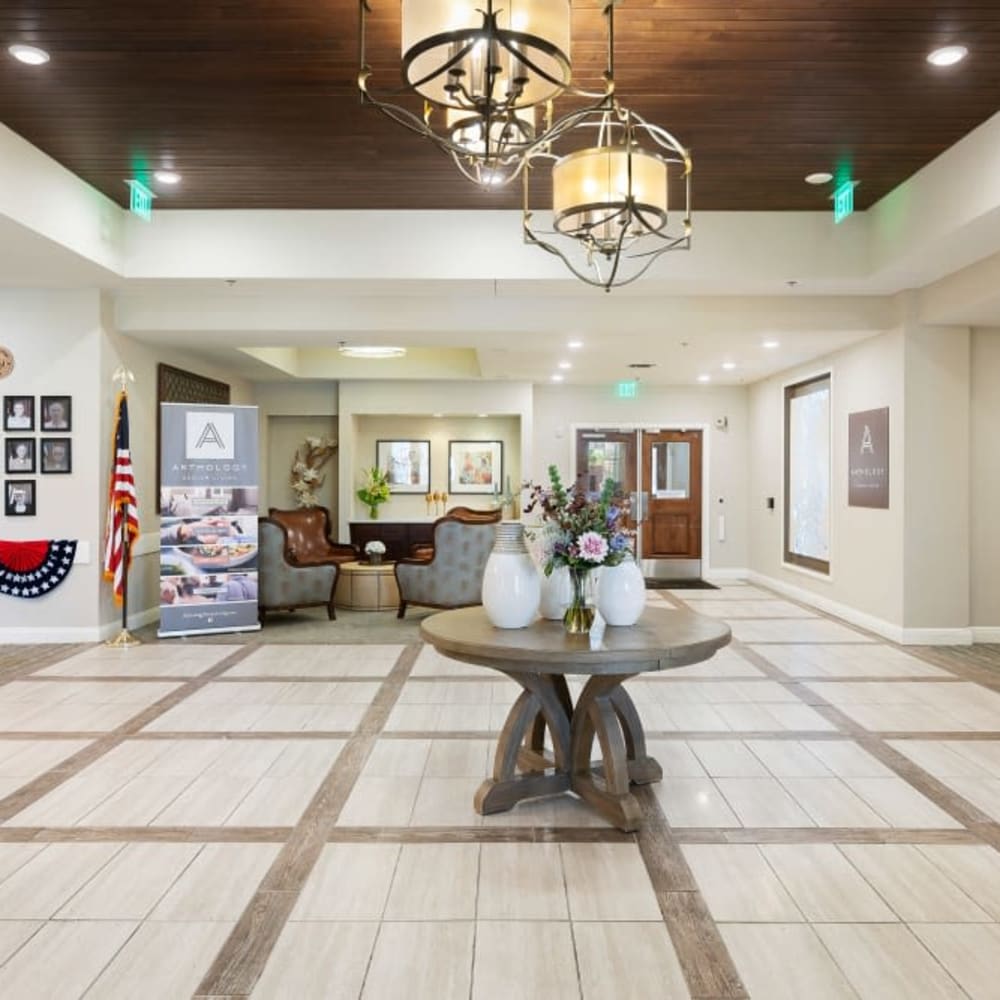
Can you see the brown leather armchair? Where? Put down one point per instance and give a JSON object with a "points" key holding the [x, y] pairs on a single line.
{"points": [[298, 562], [467, 515]]}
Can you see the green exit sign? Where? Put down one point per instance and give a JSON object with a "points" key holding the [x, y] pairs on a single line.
{"points": [[843, 201], [628, 390], [140, 200]]}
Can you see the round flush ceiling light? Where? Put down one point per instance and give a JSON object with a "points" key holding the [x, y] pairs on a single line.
{"points": [[371, 352], [169, 177], [820, 177], [948, 55], [29, 54], [728, 365], [704, 378], [770, 344], [575, 345]]}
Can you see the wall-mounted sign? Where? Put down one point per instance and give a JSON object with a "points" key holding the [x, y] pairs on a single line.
{"points": [[627, 390], [868, 465], [843, 201], [140, 200]]}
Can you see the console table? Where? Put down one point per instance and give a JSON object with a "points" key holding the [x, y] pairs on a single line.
{"points": [[539, 657], [399, 536]]}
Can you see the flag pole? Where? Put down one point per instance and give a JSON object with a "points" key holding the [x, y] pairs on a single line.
{"points": [[125, 639]]}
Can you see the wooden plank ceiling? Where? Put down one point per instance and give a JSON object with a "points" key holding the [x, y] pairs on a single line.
{"points": [[255, 102]]}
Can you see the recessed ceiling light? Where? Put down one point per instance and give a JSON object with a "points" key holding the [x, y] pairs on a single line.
{"points": [[820, 177], [704, 378], [29, 54], [728, 365], [575, 345], [372, 352], [557, 378], [565, 364], [948, 55], [771, 344], [169, 177]]}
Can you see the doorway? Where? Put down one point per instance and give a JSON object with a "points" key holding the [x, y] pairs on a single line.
{"points": [[662, 471]]}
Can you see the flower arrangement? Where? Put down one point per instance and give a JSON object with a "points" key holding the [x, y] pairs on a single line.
{"points": [[374, 550], [583, 531], [305, 476], [375, 490]]}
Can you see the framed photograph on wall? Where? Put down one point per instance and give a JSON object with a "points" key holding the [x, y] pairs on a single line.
{"points": [[19, 455], [475, 466], [19, 497], [57, 413], [57, 455], [19, 413], [408, 464]]}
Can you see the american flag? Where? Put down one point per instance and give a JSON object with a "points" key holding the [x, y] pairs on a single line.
{"points": [[122, 503]]}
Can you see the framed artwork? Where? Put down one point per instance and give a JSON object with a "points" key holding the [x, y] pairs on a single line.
{"points": [[19, 413], [475, 466], [19, 497], [19, 455], [57, 455], [57, 413], [408, 464]]}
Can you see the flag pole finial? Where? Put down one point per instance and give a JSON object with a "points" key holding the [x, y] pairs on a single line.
{"points": [[122, 376]]}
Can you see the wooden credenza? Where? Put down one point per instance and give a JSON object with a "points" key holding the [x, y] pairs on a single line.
{"points": [[399, 536]]}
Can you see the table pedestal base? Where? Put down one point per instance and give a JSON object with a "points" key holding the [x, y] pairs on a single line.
{"points": [[523, 770]]}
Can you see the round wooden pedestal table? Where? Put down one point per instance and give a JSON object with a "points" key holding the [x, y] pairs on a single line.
{"points": [[539, 657]]}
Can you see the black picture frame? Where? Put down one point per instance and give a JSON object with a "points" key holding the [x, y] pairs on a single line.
{"points": [[19, 455], [475, 467], [19, 421], [19, 497], [56, 458], [53, 423], [402, 458]]}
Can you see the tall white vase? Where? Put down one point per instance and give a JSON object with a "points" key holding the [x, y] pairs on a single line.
{"points": [[511, 589], [621, 593], [556, 593]]}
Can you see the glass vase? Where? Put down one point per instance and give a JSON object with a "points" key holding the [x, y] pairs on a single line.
{"points": [[373, 512], [579, 614]]}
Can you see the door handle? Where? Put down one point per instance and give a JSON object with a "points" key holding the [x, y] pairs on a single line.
{"points": [[640, 504]]}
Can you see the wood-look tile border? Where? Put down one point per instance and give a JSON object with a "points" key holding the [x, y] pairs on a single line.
{"points": [[19, 661], [240, 962]]}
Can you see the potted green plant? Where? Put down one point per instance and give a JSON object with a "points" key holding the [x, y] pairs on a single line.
{"points": [[375, 490]]}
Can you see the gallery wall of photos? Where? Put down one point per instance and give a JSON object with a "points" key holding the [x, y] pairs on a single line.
{"points": [[36, 441]]}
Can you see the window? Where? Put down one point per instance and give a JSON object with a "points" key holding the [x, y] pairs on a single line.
{"points": [[807, 474]]}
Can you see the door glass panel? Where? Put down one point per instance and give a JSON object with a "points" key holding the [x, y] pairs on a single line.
{"points": [[807, 487], [671, 470], [605, 460]]}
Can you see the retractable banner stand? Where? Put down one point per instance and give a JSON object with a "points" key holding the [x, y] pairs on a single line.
{"points": [[208, 519]]}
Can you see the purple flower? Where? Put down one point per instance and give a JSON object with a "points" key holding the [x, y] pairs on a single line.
{"points": [[593, 548]]}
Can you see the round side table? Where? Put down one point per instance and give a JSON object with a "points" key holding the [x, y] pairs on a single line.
{"points": [[362, 586]]}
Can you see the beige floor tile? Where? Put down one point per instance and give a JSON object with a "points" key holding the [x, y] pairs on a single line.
{"points": [[784, 962], [831, 803], [317, 961], [738, 884], [13, 856], [434, 882], [70, 801], [901, 804], [694, 802], [413, 718], [218, 884], [13, 934], [846, 759], [397, 759], [981, 792], [806, 630], [676, 758], [421, 961], [29, 758], [521, 882], [623, 960], [608, 882], [939, 759], [788, 759], [968, 953], [886, 962], [274, 802], [762, 802], [131, 884], [305, 759], [349, 882], [914, 887], [695, 718], [800, 718], [446, 802], [38, 888], [728, 759], [459, 759], [207, 801], [380, 802], [824, 885], [148, 966], [985, 753], [137, 802], [62, 959], [533, 961], [975, 870]]}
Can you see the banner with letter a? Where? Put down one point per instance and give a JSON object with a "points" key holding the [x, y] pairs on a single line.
{"points": [[208, 519]]}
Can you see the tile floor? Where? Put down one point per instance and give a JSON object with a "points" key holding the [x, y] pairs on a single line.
{"points": [[296, 822]]}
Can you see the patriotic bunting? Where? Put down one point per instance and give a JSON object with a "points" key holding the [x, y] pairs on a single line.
{"points": [[33, 569]]}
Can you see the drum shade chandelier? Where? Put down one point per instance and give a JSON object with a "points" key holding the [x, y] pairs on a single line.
{"points": [[488, 73]]}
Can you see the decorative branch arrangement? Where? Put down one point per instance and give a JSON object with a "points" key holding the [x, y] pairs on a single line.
{"points": [[305, 476]]}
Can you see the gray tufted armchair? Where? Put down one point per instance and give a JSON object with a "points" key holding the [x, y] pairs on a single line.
{"points": [[453, 576]]}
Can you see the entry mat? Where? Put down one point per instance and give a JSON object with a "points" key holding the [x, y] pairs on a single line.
{"points": [[679, 585]]}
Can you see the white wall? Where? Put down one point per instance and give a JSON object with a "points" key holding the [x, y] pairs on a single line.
{"points": [[558, 407], [985, 480], [866, 546]]}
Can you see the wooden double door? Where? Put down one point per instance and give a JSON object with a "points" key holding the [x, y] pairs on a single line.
{"points": [[662, 470]]}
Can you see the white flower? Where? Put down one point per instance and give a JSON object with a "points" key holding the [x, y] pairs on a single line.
{"points": [[593, 548], [376, 547]]}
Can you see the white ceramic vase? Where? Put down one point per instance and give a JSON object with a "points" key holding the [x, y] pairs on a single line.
{"points": [[621, 593], [511, 589], [556, 593]]}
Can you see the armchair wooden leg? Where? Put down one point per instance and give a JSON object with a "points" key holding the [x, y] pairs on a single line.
{"points": [[402, 610], [331, 613]]}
